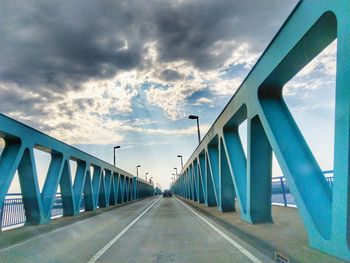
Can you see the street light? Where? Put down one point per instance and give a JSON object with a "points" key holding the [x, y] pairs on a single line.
{"points": [[146, 176], [114, 148], [137, 171], [175, 172], [182, 163], [194, 117]]}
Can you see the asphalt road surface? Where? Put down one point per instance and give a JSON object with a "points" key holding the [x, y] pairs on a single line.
{"points": [[152, 230]]}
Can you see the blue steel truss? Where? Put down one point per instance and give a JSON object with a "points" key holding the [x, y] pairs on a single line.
{"points": [[107, 185], [218, 169]]}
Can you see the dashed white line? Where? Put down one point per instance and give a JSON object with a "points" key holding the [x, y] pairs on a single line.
{"points": [[121, 233], [230, 240]]}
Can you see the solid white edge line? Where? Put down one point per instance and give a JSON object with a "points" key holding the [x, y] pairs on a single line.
{"points": [[121, 233], [230, 240]]}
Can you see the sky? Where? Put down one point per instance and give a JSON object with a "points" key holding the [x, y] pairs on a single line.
{"points": [[96, 74]]}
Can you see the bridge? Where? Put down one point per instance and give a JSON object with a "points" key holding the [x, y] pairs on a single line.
{"points": [[124, 220]]}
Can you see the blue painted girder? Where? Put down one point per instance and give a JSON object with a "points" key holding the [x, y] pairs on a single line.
{"points": [[227, 172], [107, 185]]}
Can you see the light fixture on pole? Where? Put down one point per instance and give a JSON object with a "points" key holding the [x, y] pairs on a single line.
{"points": [[194, 117], [175, 172], [182, 163], [114, 148], [137, 171], [146, 176]]}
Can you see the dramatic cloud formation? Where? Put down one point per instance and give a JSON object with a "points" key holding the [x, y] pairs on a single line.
{"points": [[64, 57], [103, 72], [96, 73]]}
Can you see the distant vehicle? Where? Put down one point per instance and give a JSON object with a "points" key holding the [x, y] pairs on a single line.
{"points": [[167, 193]]}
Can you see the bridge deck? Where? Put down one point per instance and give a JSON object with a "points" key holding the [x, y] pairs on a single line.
{"points": [[287, 235], [167, 232]]}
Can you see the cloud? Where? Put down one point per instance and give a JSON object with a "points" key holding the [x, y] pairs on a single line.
{"points": [[173, 132], [172, 98], [170, 75], [318, 73], [206, 32], [79, 71], [203, 101], [62, 44]]}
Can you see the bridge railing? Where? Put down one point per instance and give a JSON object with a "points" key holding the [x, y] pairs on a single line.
{"points": [[281, 194], [12, 211], [96, 183], [218, 169]]}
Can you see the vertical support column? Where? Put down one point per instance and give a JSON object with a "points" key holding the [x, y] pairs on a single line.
{"points": [[237, 162], [49, 191], [126, 189], [134, 185], [108, 185], [67, 194], [122, 187], [96, 184], [340, 238], [88, 194], [210, 192], [227, 190], [115, 182], [112, 193], [259, 174], [186, 184], [119, 188], [192, 186], [79, 184], [102, 192], [195, 180], [9, 161], [201, 176], [181, 187], [30, 189], [131, 189]]}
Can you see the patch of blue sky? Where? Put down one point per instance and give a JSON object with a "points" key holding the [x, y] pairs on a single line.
{"points": [[203, 93], [233, 71]]}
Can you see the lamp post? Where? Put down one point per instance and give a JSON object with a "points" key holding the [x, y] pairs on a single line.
{"points": [[137, 171], [146, 176], [182, 163], [194, 117], [114, 148], [175, 172]]}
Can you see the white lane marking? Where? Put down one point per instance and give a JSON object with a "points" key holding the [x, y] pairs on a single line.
{"points": [[121, 233], [230, 240], [83, 221]]}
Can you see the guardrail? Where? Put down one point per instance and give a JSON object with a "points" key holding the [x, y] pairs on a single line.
{"points": [[12, 211], [219, 169], [97, 183], [280, 192]]}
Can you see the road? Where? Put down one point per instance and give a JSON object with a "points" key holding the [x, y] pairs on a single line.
{"points": [[152, 230]]}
